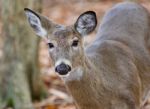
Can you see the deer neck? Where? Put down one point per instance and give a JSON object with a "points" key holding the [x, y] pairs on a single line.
{"points": [[80, 84]]}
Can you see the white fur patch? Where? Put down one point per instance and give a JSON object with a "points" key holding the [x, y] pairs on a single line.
{"points": [[36, 24], [74, 75], [65, 61]]}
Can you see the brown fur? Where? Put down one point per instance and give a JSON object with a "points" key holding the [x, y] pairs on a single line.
{"points": [[120, 56], [117, 66]]}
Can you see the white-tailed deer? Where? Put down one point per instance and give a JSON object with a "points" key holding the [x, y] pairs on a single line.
{"points": [[113, 72]]}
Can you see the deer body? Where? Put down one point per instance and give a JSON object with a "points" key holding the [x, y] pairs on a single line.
{"points": [[114, 71]]}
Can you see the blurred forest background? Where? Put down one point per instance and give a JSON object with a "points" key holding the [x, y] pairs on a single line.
{"points": [[27, 79]]}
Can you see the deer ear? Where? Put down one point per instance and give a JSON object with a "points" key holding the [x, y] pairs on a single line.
{"points": [[86, 23], [34, 20]]}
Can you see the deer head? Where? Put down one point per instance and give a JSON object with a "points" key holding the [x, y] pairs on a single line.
{"points": [[65, 42]]}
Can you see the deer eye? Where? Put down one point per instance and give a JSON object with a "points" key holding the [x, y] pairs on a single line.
{"points": [[75, 43], [50, 45]]}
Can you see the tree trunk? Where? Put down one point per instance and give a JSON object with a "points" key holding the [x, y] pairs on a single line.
{"points": [[19, 74]]}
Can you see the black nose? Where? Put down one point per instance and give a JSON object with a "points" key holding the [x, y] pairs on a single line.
{"points": [[63, 69]]}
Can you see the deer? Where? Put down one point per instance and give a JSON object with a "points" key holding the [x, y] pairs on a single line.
{"points": [[113, 71]]}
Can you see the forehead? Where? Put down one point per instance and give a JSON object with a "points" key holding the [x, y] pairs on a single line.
{"points": [[61, 32]]}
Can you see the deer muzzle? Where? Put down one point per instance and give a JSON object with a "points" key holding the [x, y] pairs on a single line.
{"points": [[63, 69]]}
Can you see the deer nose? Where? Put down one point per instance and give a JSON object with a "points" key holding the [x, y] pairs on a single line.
{"points": [[62, 69]]}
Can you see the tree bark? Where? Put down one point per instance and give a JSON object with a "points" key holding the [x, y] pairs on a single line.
{"points": [[20, 81]]}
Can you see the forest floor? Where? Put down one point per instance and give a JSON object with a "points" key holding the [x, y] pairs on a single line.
{"points": [[66, 12]]}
